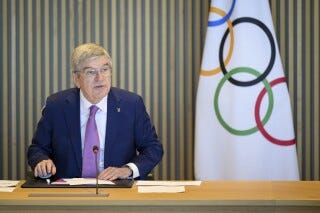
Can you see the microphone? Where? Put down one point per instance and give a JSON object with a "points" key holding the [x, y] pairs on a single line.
{"points": [[95, 150]]}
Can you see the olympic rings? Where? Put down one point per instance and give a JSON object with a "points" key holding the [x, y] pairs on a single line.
{"points": [[260, 77]]}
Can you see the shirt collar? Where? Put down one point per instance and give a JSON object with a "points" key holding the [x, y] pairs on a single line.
{"points": [[85, 104]]}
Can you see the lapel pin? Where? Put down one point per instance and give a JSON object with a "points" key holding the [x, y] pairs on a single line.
{"points": [[118, 109]]}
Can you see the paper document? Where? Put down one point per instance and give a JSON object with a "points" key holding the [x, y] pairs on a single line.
{"points": [[161, 189], [168, 183], [164, 186], [8, 185], [81, 181]]}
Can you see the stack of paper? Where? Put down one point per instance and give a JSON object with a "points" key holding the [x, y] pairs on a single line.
{"points": [[8, 185], [165, 186], [81, 181]]}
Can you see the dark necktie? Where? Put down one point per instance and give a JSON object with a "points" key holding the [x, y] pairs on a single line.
{"points": [[91, 139]]}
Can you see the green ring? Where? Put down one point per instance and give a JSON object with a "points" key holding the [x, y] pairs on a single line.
{"points": [[216, 97]]}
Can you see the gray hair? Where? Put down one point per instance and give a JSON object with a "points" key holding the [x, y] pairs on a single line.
{"points": [[84, 52]]}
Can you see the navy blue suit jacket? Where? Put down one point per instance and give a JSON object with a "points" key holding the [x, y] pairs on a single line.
{"points": [[130, 134]]}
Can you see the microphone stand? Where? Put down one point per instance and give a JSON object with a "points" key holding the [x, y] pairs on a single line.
{"points": [[95, 151]]}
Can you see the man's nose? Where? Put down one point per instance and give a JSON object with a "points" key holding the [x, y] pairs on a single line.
{"points": [[98, 75]]}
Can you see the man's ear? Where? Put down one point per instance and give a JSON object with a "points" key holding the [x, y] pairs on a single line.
{"points": [[75, 77]]}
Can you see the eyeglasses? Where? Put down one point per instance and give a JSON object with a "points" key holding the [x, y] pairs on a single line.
{"points": [[91, 72]]}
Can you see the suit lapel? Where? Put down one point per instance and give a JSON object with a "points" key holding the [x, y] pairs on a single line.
{"points": [[72, 118], [112, 129]]}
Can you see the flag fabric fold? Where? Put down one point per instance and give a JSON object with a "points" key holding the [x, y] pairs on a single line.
{"points": [[243, 128]]}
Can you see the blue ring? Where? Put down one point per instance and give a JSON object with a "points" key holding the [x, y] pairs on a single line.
{"points": [[223, 19]]}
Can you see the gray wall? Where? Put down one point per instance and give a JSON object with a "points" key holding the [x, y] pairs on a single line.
{"points": [[156, 46]]}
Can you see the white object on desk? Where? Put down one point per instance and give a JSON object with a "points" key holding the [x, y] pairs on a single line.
{"points": [[81, 181], [161, 189], [164, 186], [8, 185], [168, 183]]}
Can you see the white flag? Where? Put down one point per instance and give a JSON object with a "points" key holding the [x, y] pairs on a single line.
{"points": [[244, 128]]}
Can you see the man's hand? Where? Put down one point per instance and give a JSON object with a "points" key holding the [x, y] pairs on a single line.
{"points": [[113, 173], [44, 168]]}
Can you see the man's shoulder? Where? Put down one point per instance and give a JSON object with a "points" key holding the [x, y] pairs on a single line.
{"points": [[124, 94], [67, 94]]}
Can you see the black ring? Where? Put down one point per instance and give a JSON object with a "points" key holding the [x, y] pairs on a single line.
{"points": [[273, 52]]}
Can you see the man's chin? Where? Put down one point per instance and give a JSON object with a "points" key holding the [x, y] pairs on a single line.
{"points": [[99, 95]]}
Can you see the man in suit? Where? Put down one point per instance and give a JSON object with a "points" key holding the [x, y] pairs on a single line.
{"points": [[128, 145]]}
